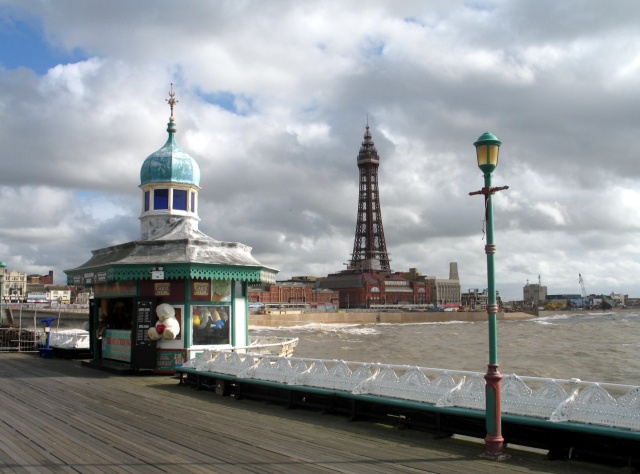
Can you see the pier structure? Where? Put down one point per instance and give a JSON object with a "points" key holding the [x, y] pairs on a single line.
{"points": [[567, 418], [162, 299], [59, 416]]}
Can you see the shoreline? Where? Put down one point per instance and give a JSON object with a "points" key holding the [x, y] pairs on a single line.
{"points": [[284, 318], [297, 318]]}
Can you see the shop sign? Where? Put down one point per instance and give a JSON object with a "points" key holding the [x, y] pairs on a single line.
{"points": [[116, 345], [201, 288], [127, 288], [162, 289], [168, 359], [90, 278], [221, 290]]}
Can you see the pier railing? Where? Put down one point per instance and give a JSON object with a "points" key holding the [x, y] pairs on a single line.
{"points": [[21, 329], [552, 400]]}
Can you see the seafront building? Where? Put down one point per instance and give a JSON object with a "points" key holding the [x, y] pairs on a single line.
{"points": [[368, 281], [13, 284], [298, 293], [534, 295], [163, 299], [18, 287]]}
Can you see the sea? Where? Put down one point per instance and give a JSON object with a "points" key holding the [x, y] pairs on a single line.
{"points": [[595, 347]]}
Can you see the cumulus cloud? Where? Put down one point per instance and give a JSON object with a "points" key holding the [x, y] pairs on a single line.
{"points": [[273, 101]]}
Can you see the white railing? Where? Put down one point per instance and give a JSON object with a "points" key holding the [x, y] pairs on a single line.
{"points": [[18, 332], [24, 332], [556, 400]]}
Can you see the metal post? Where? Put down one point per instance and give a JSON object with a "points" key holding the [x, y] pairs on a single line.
{"points": [[494, 442], [487, 147]]}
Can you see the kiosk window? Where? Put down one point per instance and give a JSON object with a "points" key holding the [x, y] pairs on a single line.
{"points": [[211, 324]]}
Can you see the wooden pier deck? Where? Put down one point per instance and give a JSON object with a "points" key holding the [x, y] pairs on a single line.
{"points": [[59, 416]]}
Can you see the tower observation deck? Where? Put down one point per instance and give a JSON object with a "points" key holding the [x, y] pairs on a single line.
{"points": [[369, 247]]}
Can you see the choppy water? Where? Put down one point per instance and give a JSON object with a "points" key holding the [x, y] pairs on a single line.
{"points": [[598, 347]]}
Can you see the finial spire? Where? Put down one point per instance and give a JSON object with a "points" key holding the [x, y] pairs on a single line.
{"points": [[172, 100]]}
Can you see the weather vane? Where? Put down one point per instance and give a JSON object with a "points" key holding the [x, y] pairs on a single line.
{"points": [[172, 99]]}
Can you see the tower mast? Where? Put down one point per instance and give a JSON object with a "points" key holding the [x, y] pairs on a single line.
{"points": [[369, 247]]}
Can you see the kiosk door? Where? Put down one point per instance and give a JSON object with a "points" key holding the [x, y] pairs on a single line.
{"points": [[143, 349]]}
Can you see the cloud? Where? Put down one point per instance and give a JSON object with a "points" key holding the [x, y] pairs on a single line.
{"points": [[273, 102]]}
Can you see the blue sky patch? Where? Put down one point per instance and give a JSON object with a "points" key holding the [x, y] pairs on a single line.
{"points": [[236, 104], [23, 44]]}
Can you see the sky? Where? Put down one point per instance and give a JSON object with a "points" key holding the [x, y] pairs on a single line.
{"points": [[273, 101]]}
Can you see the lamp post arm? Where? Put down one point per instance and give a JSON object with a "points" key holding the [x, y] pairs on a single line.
{"points": [[489, 190]]}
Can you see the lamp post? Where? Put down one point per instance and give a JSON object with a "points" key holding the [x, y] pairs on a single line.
{"points": [[487, 148]]}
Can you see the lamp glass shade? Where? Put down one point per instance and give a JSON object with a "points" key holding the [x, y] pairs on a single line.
{"points": [[487, 154], [487, 149]]}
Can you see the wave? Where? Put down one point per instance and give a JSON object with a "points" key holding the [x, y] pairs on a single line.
{"points": [[320, 327], [355, 328]]}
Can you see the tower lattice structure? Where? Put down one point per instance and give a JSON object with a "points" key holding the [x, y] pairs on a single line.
{"points": [[369, 247]]}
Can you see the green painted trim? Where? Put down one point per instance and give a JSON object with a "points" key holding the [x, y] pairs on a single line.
{"points": [[232, 316], [179, 271], [187, 319]]}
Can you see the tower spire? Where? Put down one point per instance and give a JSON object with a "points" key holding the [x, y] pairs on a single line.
{"points": [[172, 100], [369, 247]]}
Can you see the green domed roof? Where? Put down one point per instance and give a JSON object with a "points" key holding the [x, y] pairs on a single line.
{"points": [[170, 164]]}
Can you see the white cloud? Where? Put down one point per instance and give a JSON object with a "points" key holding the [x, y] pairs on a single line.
{"points": [[273, 101]]}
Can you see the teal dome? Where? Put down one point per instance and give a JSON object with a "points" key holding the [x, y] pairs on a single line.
{"points": [[170, 164]]}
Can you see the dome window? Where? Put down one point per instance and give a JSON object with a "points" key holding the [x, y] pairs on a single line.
{"points": [[161, 199], [180, 199]]}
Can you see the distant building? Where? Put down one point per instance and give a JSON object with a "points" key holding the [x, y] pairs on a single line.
{"points": [[446, 292], [44, 279], [476, 300], [619, 299], [364, 289], [3, 275], [294, 292], [567, 301], [534, 294], [14, 287], [59, 293], [368, 280]]}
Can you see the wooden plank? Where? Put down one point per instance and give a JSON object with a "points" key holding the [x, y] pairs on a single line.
{"points": [[59, 416]]}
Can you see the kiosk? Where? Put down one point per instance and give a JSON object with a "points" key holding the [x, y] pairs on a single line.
{"points": [[175, 276]]}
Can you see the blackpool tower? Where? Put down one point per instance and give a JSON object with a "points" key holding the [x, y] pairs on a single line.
{"points": [[369, 247]]}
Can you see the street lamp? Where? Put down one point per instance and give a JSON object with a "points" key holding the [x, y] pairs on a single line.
{"points": [[487, 148]]}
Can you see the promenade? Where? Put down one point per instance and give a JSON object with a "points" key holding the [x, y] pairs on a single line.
{"points": [[59, 416], [296, 318]]}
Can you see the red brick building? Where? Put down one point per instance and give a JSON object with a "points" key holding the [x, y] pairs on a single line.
{"points": [[41, 279], [362, 289], [294, 293]]}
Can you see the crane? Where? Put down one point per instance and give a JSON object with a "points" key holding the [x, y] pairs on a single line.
{"points": [[584, 291]]}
